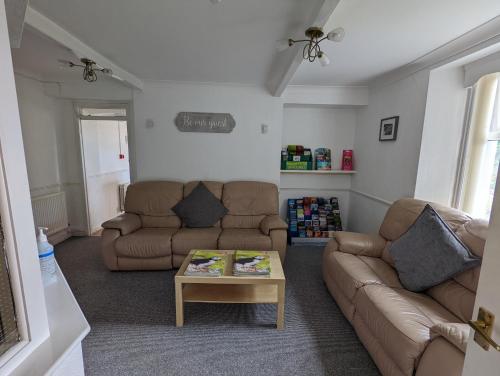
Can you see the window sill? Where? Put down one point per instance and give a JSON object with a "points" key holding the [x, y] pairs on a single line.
{"points": [[67, 326]]}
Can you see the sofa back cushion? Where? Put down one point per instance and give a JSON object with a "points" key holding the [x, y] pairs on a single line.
{"points": [[403, 213], [458, 293], [213, 186], [153, 201], [248, 202]]}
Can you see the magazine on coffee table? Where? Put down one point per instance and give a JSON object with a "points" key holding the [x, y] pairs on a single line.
{"points": [[206, 264], [251, 263]]}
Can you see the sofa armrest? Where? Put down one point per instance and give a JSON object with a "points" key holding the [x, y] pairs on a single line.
{"points": [[455, 333], [360, 244], [126, 223], [272, 222]]}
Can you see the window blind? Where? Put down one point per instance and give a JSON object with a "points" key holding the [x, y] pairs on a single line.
{"points": [[9, 334], [483, 148]]}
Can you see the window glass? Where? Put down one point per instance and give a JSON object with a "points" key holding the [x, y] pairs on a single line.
{"points": [[495, 120], [103, 112], [488, 178], [9, 334]]}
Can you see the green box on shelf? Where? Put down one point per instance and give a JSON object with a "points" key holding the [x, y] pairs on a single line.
{"points": [[299, 158], [291, 165]]}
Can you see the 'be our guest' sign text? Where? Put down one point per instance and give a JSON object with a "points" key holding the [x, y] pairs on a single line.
{"points": [[204, 122]]}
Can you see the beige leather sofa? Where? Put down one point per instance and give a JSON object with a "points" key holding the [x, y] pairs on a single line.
{"points": [[149, 236], [406, 333]]}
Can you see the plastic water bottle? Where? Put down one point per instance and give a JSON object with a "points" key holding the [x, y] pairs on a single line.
{"points": [[46, 256]]}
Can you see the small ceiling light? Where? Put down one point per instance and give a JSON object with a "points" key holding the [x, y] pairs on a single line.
{"points": [[336, 35], [324, 60], [216, 1], [89, 69], [312, 49]]}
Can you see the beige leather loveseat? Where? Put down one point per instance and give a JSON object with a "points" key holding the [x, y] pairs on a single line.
{"points": [[406, 333], [149, 236]]}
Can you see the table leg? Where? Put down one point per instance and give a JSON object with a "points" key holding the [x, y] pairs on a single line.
{"points": [[179, 305], [280, 322]]}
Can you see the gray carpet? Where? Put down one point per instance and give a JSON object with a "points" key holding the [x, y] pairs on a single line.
{"points": [[132, 316]]}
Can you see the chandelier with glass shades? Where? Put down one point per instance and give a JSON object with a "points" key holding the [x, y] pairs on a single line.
{"points": [[312, 48], [89, 68]]}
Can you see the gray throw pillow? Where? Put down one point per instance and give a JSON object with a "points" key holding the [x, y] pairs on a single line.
{"points": [[430, 253], [200, 208]]}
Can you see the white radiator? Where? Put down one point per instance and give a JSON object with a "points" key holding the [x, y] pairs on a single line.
{"points": [[50, 211], [122, 191]]}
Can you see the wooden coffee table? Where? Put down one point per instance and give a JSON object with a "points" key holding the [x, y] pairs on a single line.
{"points": [[231, 289]]}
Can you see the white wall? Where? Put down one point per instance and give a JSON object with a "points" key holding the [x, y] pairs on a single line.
{"points": [[314, 127], [42, 127], [51, 147], [441, 136], [481, 67], [163, 152], [387, 170], [51, 138], [103, 141]]}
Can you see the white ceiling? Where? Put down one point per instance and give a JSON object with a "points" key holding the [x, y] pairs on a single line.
{"points": [[194, 40], [38, 57], [382, 35], [183, 40]]}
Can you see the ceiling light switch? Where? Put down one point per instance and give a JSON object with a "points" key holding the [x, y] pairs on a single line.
{"points": [[264, 128]]}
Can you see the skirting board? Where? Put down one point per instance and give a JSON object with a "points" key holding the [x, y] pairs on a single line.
{"points": [[59, 236]]}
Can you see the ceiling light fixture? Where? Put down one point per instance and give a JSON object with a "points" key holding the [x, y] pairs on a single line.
{"points": [[312, 49], [89, 68]]}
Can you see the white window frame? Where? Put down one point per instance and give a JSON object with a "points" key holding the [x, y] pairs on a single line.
{"points": [[17, 219], [463, 161]]}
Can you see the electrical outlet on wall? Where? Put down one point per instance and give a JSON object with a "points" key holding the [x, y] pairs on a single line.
{"points": [[264, 128]]}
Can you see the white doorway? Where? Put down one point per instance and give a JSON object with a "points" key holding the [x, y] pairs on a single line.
{"points": [[105, 161]]}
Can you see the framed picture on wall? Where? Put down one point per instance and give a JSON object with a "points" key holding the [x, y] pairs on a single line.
{"points": [[389, 129]]}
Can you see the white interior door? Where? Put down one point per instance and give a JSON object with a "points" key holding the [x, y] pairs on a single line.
{"points": [[477, 360], [106, 162]]}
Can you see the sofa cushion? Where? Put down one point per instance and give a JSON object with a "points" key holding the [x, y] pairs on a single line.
{"points": [[200, 208], [430, 253], [352, 272], [455, 298], [153, 198], [248, 202], [401, 321], [152, 221], [187, 239], [242, 221], [146, 243], [244, 239], [250, 198]]}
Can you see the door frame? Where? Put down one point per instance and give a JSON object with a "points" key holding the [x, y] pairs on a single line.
{"points": [[77, 106]]}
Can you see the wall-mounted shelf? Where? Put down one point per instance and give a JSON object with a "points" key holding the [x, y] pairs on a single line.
{"points": [[319, 172]]}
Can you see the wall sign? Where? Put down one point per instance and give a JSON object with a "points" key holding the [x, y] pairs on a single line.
{"points": [[205, 122]]}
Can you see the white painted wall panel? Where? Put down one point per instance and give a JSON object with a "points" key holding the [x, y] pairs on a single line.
{"points": [[163, 152], [315, 126], [387, 170], [441, 136]]}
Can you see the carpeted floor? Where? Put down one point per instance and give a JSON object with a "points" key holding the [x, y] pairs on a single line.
{"points": [[132, 319]]}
